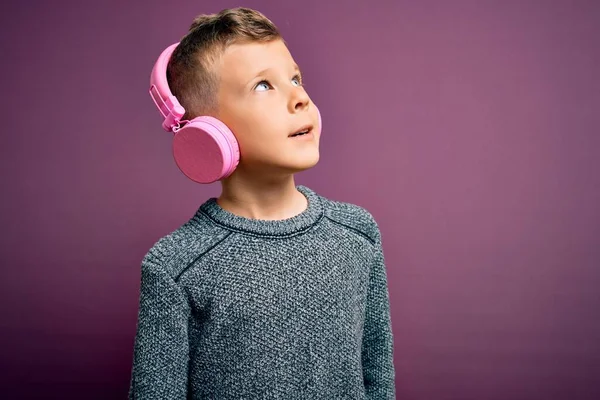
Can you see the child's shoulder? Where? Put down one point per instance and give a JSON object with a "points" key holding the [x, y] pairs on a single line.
{"points": [[173, 252], [352, 216]]}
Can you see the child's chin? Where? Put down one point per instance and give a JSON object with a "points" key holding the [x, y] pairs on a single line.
{"points": [[308, 164], [296, 167]]}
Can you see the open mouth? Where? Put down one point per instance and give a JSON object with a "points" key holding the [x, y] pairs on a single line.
{"points": [[304, 131]]}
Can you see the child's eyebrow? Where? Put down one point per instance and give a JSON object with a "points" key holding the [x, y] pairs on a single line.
{"points": [[297, 68], [263, 71]]}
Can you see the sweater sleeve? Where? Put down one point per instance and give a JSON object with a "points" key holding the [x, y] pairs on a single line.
{"points": [[161, 348], [377, 345]]}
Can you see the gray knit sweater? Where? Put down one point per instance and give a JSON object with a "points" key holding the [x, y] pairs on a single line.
{"points": [[239, 308]]}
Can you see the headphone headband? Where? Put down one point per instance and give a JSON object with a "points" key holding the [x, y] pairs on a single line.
{"points": [[167, 104]]}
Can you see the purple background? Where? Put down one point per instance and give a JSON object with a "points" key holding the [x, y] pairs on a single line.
{"points": [[468, 129]]}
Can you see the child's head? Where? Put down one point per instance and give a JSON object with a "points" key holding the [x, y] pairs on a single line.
{"points": [[235, 66]]}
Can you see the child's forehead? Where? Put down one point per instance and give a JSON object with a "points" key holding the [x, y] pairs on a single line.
{"points": [[254, 58]]}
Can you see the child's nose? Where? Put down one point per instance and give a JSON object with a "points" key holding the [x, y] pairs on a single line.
{"points": [[299, 100]]}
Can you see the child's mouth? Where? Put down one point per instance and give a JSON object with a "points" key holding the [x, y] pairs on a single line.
{"points": [[300, 133], [303, 132]]}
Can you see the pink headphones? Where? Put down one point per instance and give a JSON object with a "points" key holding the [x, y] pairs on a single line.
{"points": [[205, 149]]}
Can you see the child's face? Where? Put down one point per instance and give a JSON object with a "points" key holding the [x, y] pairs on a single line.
{"points": [[262, 101]]}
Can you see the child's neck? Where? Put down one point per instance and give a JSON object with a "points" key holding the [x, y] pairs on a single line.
{"points": [[274, 199]]}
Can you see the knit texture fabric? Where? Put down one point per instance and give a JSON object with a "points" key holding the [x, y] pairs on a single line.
{"points": [[239, 308]]}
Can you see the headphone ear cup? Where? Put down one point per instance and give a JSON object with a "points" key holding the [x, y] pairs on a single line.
{"points": [[206, 150], [320, 121]]}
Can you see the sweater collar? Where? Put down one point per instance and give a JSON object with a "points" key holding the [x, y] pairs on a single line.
{"points": [[299, 223]]}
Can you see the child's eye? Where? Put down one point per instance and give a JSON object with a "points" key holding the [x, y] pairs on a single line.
{"points": [[298, 80], [262, 86]]}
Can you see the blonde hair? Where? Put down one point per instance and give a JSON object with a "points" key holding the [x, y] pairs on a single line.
{"points": [[191, 74]]}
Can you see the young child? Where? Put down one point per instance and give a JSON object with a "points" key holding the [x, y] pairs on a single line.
{"points": [[269, 291]]}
